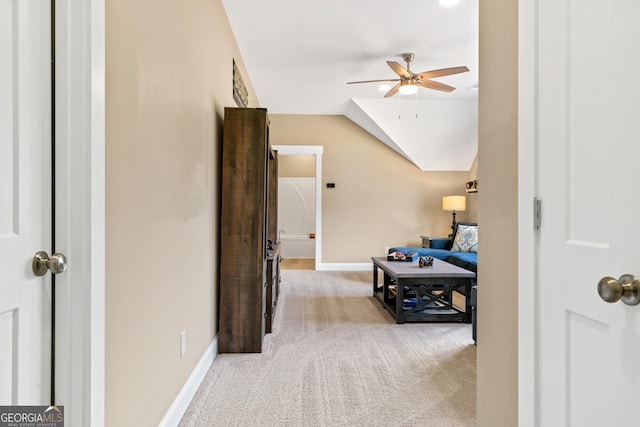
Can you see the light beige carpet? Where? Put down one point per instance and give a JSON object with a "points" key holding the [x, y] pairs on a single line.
{"points": [[336, 358]]}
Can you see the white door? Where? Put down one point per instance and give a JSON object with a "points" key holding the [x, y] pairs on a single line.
{"points": [[589, 158], [25, 205]]}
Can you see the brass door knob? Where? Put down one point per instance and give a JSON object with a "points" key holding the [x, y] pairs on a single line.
{"points": [[626, 288]]}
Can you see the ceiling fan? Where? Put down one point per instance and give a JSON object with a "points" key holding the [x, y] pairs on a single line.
{"points": [[408, 82]]}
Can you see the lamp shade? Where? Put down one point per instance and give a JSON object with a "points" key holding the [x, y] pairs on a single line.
{"points": [[454, 203]]}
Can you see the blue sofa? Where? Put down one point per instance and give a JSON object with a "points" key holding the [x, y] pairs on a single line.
{"points": [[441, 249]]}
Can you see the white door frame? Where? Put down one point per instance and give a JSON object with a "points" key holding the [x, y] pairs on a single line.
{"points": [[80, 209], [528, 285], [313, 150]]}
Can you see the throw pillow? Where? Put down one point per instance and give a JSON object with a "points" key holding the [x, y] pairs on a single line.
{"points": [[466, 239]]}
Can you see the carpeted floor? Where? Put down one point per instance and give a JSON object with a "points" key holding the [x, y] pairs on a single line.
{"points": [[336, 358]]}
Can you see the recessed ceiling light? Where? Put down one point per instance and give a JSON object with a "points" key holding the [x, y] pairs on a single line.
{"points": [[384, 88], [449, 3]]}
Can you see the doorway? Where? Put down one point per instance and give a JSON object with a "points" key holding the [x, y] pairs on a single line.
{"points": [[299, 205]]}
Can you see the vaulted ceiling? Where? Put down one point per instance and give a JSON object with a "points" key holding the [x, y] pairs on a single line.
{"points": [[299, 55]]}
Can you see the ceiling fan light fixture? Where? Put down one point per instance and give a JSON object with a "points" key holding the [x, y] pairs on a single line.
{"points": [[449, 3], [407, 89], [409, 81]]}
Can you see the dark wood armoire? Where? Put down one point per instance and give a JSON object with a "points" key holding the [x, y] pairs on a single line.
{"points": [[248, 228]]}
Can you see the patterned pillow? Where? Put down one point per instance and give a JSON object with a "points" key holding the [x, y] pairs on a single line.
{"points": [[466, 239]]}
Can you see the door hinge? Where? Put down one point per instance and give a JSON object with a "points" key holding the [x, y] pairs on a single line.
{"points": [[537, 214]]}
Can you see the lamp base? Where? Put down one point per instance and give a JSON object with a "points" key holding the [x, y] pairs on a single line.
{"points": [[453, 224]]}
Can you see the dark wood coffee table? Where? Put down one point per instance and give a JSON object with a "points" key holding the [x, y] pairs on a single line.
{"points": [[414, 294]]}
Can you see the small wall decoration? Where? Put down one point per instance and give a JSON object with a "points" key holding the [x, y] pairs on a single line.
{"points": [[472, 186], [240, 92]]}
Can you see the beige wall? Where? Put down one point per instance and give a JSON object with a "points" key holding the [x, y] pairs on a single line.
{"points": [[297, 166], [472, 198], [497, 397], [168, 77], [380, 198]]}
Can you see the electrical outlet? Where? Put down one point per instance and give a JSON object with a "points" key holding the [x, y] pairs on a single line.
{"points": [[183, 343]]}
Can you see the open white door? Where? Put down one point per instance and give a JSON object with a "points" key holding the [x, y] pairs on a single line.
{"points": [[587, 123], [25, 204]]}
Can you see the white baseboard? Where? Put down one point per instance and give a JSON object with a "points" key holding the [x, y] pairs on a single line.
{"points": [[181, 403], [340, 266]]}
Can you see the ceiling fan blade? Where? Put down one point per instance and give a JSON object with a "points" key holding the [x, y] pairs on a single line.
{"points": [[374, 81], [393, 91], [430, 84], [399, 69], [442, 72]]}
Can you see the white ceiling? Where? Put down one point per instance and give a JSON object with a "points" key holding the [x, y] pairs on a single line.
{"points": [[300, 53]]}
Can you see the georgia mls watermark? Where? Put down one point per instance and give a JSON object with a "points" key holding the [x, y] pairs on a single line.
{"points": [[31, 416]]}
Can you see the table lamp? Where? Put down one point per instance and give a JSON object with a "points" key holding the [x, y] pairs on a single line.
{"points": [[454, 204]]}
